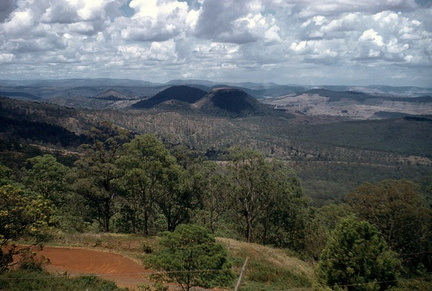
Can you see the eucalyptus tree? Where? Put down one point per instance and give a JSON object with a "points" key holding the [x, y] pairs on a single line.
{"points": [[400, 212], [148, 173], [215, 186], [357, 257], [46, 176], [96, 171], [267, 198]]}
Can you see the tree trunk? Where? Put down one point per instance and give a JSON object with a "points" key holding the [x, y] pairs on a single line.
{"points": [[107, 215], [248, 228]]}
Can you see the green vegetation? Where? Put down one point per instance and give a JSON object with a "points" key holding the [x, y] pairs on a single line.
{"points": [[37, 280], [402, 216], [321, 193], [191, 257], [21, 214], [356, 257]]}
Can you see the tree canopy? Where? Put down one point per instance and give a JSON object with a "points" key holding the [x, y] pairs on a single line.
{"points": [[21, 214], [356, 257], [191, 257], [399, 211]]}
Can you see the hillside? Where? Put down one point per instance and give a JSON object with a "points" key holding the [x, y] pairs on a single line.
{"points": [[332, 153], [268, 267], [230, 101], [351, 104], [175, 93], [331, 156]]}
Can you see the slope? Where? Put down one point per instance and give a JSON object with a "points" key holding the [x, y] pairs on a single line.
{"points": [[180, 93], [232, 102]]}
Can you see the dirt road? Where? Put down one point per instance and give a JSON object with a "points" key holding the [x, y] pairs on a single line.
{"points": [[75, 261]]}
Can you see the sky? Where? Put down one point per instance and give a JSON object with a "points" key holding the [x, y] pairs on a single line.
{"points": [[309, 42]]}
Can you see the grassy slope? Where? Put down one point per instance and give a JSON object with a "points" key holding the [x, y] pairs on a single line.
{"points": [[268, 269]]}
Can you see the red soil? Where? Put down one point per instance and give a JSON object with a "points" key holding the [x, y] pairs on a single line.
{"points": [[125, 272]]}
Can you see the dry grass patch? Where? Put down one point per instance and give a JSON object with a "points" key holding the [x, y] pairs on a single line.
{"points": [[269, 268]]}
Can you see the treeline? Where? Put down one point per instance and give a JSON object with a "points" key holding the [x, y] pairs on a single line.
{"points": [[129, 183]]}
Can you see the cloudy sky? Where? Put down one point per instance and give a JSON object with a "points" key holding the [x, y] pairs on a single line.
{"points": [[308, 42]]}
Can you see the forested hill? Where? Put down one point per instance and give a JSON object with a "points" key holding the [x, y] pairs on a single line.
{"points": [[331, 155]]}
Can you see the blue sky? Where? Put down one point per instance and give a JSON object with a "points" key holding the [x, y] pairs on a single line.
{"points": [[339, 42]]}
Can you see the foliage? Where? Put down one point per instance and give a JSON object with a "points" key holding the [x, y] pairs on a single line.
{"points": [[47, 177], [191, 257], [399, 211], [321, 223], [147, 169], [356, 257], [215, 187], [267, 197], [20, 214], [96, 171], [5, 175], [41, 280]]}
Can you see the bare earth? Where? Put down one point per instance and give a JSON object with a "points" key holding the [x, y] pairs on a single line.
{"points": [[75, 261]]}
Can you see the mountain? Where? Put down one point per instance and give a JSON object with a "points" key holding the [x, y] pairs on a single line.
{"points": [[179, 93], [332, 155], [230, 101], [19, 95], [112, 95]]}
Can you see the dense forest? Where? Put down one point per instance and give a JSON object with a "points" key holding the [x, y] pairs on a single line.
{"points": [[352, 197]]}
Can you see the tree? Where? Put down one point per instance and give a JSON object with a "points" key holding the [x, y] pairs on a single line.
{"points": [[191, 257], [96, 171], [46, 176], [215, 187], [356, 257], [322, 221], [147, 170], [286, 211], [5, 175], [268, 198], [250, 195], [399, 211], [21, 214]]}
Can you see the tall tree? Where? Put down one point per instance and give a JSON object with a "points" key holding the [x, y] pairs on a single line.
{"points": [[268, 197], [46, 176], [398, 210], [215, 187], [356, 257], [322, 221], [148, 170], [96, 170]]}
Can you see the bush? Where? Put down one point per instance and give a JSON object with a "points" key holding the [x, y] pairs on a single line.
{"points": [[191, 257], [356, 257]]}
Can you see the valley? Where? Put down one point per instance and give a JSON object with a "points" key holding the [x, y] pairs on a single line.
{"points": [[112, 165], [368, 133]]}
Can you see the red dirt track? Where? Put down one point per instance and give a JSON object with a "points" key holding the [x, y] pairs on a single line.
{"points": [[75, 261]]}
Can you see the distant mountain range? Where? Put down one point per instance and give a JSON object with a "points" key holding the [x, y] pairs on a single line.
{"points": [[219, 101], [86, 87], [335, 137], [235, 99]]}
